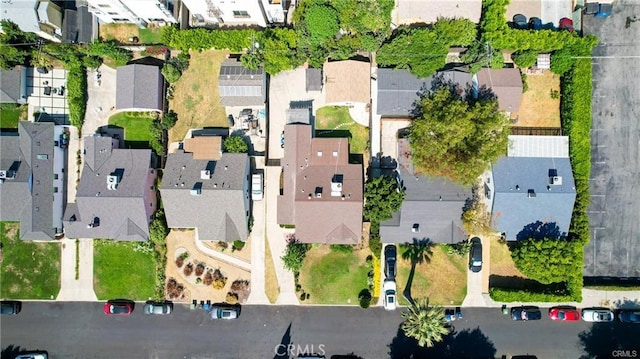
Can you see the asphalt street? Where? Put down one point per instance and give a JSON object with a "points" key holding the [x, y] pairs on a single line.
{"points": [[81, 330]]}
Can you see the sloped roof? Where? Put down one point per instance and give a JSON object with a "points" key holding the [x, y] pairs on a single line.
{"points": [[347, 81], [13, 87], [310, 165], [219, 210], [506, 84], [204, 147], [123, 213], [139, 87], [239, 86]]}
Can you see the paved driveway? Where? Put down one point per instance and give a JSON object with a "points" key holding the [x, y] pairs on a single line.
{"points": [[614, 249], [101, 101]]}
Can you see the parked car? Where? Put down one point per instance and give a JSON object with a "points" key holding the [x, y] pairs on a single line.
{"points": [[535, 23], [598, 315], [475, 255], [10, 307], [629, 316], [118, 307], [389, 290], [256, 187], [33, 355], [282, 140], [566, 24], [390, 262], [520, 21], [157, 308], [525, 313], [220, 312], [564, 314], [64, 139]]}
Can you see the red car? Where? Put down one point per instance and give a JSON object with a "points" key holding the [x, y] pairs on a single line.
{"points": [[564, 314], [118, 307]]}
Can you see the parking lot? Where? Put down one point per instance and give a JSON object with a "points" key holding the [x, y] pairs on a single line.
{"points": [[614, 249]]}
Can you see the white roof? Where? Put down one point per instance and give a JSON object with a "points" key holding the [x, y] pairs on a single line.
{"points": [[538, 146]]}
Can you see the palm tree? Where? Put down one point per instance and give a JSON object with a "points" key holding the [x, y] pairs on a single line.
{"points": [[424, 323], [417, 252]]}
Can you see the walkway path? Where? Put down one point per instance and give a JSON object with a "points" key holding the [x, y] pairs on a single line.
{"points": [[222, 257], [72, 289]]}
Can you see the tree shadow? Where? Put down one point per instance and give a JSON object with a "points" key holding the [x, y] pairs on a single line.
{"points": [[282, 349], [418, 252], [468, 343], [539, 230], [604, 339], [11, 352]]}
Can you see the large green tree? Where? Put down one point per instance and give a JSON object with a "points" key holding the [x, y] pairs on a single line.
{"points": [[547, 260], [420, 51], [383, 197], [456, 138], [321, 23], [15, 45], [424, 323]]}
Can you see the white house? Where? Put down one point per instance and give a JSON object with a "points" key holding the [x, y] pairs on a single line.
{"points": [[139, 12], [235, 12], [42, 17]]}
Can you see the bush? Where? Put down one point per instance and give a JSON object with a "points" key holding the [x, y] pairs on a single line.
{"points": [[364, 297], [200, 39], [238, 245], [525, 58], [516, 295], [294, 255], [179, 262], [188, 269], [341, 248], [219, 280], [321, 23], [171, 73], [76, 93], [222, 245], [375, 245], [208, 278], [239, 285], [377, 276], [200, 269], [236, 144], [460, 249], [232, 298], [110, 49]]}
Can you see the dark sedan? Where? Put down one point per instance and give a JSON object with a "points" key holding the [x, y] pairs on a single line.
{"points": [[10, 307], [525, 313], [390, 262], [629, 316]]}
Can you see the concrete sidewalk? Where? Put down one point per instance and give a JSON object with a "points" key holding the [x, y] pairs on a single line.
{"points": [[80, 289]]}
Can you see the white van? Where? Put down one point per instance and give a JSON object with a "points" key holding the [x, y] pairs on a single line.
{"points": [[256, 187]]}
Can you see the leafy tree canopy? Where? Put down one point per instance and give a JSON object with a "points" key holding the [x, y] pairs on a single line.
{"points": [[383, 197], [294, 255], [171, 73], [15, 45], [236, 144], [424, 323], [321, 23], [525, 58], [456, 32], [547, 260], [455, 138], [418, 50]]}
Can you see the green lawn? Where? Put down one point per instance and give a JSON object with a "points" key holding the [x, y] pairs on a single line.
{"points": [[121, 272], [11, 114], [29, 270], [136, 127], [150, 36], [443, 280], [337, 120], [332, 277]]}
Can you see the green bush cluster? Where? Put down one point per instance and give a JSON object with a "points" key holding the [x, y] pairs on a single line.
{"points": [[341, 248], [158, 232], [110, 49], [76, 93], [375, 245], [517, 295], [200, 39]]}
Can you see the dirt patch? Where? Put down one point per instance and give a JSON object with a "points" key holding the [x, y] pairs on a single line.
{"points": [[501, 261], [118, 32], [539, 108], [271, 287]]}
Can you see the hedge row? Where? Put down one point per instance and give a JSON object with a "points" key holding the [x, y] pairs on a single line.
{"points": [[516, 295], [77, 94], [200, 39]]}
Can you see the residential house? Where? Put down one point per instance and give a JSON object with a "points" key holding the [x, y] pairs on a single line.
{"points": [[116, 196], [322, 193], [139, 88], [532, 186], [432, 207], [41, 17], [428, 11], [249, 12], [13, 85], [399, 91], [205, 189], [506, 85], [347, 82], [78, 24], [139, 12], [32, 181], [240, 86]]}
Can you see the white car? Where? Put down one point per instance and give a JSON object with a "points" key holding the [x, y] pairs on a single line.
{"points": [[597, 315], [389, 290]]}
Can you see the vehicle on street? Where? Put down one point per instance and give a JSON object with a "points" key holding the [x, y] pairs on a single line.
{"points": [[10, 307], [535, 23], [282, 140], [475, 255], [390, 252], [256, 187], [33, 355], [525, 313], [220, 312], [564, 314], [157, 308], [389, 290], [566, 24], [629, 316], [597, 315], [520, 21], [118, 307]]}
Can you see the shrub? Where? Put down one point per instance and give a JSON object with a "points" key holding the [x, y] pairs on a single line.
{"points": [[236, 144], [377, 276], [321, 23], [219, 280], [375, 245], [516, 295], [222, 245], [238, 245], [200, 269], [200, 39], [341, 248], [188, 269], [171, 73], [294, 255], [239, 285], [460, 249], [232, 298], [208, 278], [525, 85], [174, 289], [109, 49], [179, 262], [364, 297], [76, 94], [525, 58]]}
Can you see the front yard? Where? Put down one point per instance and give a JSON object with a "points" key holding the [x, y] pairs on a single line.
{"points": [[121, 270], [123, 32], [332, 277], [443, 280], [539, 108], [29, 270], [196, 98], [136, 127], [335, 121]]}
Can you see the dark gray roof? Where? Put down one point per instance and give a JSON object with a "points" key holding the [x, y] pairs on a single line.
{"points": [[513, 205], [78, 25], [28, 196], [13, 85], [399, 90], [313, 79], [239, 86], [216, 205], [139, 87], [123, 213]]}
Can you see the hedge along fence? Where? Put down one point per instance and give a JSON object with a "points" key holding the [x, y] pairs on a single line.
{"points": [[377, 276], [77, 94], [200, 39], [517, 295]]}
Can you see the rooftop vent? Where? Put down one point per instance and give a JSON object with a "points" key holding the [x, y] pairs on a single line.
{"points": [[197, 189], [336, 185], [318, 192], [555, 180], [112, 182], [319, 153], [531, 193], [205, 174], [415, 228]]}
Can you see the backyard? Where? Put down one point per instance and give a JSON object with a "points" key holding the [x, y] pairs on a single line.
{"points": [[443, 279], [28, 269], [136, 127], [333, 277], [122, 270], [539, 108], [335, 121], [123, 32], [11, 114], [196, 97]]}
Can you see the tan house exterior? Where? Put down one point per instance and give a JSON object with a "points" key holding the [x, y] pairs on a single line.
{"points": [[322, 192]]}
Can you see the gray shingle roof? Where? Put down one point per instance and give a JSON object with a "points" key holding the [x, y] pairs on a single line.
{"points": [[514, 207], [78, 25], [506, 84], [28, 197], [239, 86], [13, 85], [139, 87], [123, 213], [219, 212], [313, 79]]}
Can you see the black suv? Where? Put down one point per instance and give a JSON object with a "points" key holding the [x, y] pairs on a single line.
{"points": [[390, 262]]}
